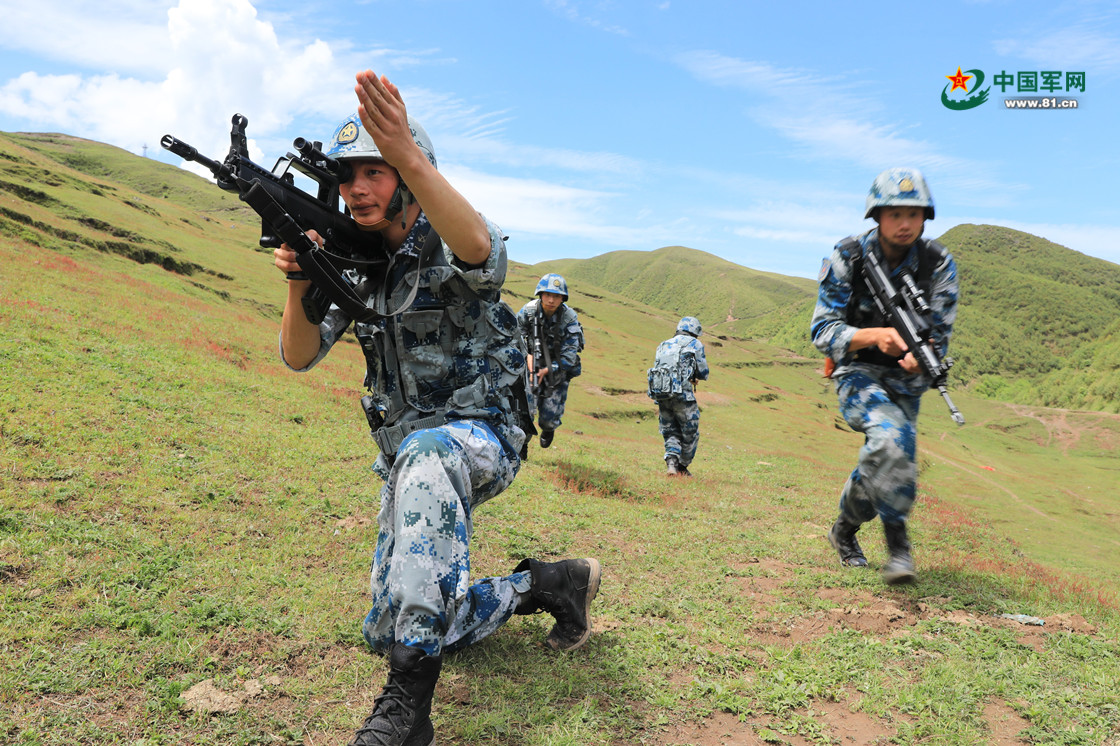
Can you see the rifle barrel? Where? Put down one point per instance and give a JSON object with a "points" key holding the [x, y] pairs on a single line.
{"points": [[953, 411], [188, 153]]}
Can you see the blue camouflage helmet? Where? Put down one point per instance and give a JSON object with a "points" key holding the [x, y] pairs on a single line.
{"points": [[899, 187], [552, 283], [690, 325], [350, 141]]}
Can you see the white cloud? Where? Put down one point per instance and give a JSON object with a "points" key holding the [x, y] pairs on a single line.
{"points": [[817, 222], [831, 122], [217, 58], [121, 35], [570, 10], [497, 151], [550, 210], [814, 94], [826, 116]]}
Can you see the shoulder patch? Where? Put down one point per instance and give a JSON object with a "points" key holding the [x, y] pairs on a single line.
{"points": [[826, 264]]}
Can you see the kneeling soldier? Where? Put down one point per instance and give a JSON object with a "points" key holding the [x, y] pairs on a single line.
{"points": [[441, 370]]}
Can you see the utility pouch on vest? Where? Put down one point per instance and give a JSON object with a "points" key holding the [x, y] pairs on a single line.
{"points": [[663, 383], [373, 417]]}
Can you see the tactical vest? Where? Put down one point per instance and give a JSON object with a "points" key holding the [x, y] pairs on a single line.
{"points": [[556, 328], [451, 353], [863, 313]]}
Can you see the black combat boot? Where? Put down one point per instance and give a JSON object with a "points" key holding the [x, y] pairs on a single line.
{"points": [[682, 470], [565, 590], [402, 712], [842, 537], [899, 568], [672, 466], [546, 438]]}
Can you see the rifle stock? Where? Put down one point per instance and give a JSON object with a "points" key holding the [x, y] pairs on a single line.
{"points": [[906, 309]]}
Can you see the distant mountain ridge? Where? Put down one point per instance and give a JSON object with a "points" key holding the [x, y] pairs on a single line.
{"points": [[727, 297], [1038, 323]]}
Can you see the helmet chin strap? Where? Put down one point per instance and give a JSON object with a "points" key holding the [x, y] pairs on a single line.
{"points": [[399, 203]]}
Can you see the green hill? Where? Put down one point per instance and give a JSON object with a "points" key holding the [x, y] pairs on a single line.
{"points": [[1040, 321], [727, 298], [186, 526]]}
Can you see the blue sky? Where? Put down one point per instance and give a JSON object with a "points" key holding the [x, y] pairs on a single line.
{"points": [[748, 130]]}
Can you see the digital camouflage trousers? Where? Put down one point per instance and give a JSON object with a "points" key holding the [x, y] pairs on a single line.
{"points": [[884, 482], [679, 422], [550, 405], [423, 595]]}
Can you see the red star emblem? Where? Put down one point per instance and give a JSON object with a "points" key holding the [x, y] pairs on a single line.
{"points": [[959, 80]]}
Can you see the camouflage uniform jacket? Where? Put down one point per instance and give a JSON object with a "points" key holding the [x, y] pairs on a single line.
{"points": [[683, 354], [562, 334], [453, 353], [844, 304]]}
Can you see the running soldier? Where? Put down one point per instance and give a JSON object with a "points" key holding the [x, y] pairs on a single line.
{"points": [[555, 338], [677, 366], [878, 381]]}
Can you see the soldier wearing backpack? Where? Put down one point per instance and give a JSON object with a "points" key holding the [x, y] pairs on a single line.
{"points": [[678, 364]]}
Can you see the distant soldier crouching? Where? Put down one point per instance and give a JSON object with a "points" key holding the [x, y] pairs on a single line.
{"points": [[678, 364]]}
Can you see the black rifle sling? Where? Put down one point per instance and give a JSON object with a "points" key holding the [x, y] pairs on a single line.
{"points": [[926, 251]]}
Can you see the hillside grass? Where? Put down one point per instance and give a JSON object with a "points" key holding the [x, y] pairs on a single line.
{"points": [[180, 509]]}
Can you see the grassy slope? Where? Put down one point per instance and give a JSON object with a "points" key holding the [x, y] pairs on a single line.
{"points": [[178, 507]]}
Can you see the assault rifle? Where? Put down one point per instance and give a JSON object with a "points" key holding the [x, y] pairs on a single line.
{"points": [[287, 212], [908, 312], [542, 357]]}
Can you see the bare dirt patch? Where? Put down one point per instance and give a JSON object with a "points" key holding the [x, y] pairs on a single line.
{"points": [[205, 696], [1066, 428], [839, 721], [351, 522], [1036, 636], [718, 729], [868, 613], [1004, 724], [848, 726]]}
